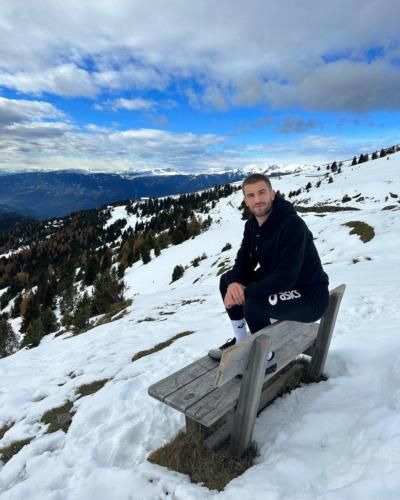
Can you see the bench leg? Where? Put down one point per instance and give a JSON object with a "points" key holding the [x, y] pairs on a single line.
{"points": [[324, 336], [193, 427], [249, 398]]}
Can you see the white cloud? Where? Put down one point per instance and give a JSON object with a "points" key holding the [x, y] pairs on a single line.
{"points": [[20, 110], [238, 53]]}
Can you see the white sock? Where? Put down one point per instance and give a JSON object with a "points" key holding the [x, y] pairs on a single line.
{"points": [[239, 329]]}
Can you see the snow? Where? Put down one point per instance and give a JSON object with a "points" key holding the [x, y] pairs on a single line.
{"points": [[338, 439]]}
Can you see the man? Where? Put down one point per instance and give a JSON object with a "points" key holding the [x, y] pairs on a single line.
{"points": [[277, 272]]}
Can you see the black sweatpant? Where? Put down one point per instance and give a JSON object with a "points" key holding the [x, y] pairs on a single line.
{"points": [[305, 306]]}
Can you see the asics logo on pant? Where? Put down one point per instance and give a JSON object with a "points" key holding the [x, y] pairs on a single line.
{"points": [[289, 295]]}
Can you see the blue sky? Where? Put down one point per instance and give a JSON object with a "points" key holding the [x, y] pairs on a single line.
{"points": [[196, 86]]}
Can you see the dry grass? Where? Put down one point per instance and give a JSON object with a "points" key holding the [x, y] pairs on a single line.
{"points": [[148, 318], [58, 418], [5, 428], [364, 231], [212, 468], [390, 207], [160, 346], [119, 307], [6, 454], [87, 389], [324, 208]]}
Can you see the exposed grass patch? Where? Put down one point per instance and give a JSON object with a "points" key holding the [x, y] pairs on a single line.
{"points": [[87, 389], [223, 263], [5, 429], [6, 454], [213, 468], [223, 270], [324, 208], [393, 195], [389, 207], [166, 313], [191, 301], [161, 346], [364, 231], [119, 307], [148, 318], [58, 418]]}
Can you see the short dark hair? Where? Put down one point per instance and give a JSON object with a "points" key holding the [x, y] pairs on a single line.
{"points": [[253, 178]]}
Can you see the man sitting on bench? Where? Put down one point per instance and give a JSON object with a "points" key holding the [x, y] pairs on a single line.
{"points": [[277, 272]]}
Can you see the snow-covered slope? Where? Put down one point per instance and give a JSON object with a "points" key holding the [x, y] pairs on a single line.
{"points": [[339, 439]]}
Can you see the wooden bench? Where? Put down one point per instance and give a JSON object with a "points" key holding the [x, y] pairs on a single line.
{"points": [[219, 404]]}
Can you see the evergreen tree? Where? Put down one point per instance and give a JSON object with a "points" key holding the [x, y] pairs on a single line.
{"points": [[92, 269], [178, 272], [49, 321], [145, 254], [106, 260], [81, 317], [34, 333], [32, 312], [8, 340], [108, 290]]}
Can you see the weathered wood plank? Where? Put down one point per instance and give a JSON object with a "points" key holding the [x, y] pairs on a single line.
{"points": [[234, 360], [325, 332], [194, 427], [218, 402], [278, 384], [273, 388], [220, 435], [163, 388], [193, 392], [249, 397]]}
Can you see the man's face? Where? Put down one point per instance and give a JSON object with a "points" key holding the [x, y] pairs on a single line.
{"points": [[258, 198]]}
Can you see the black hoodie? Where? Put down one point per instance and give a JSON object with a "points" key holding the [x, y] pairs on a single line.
{"points": [[283, 248]]}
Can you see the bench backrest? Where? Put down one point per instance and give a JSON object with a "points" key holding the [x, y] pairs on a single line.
{"points": [[287, 339]]}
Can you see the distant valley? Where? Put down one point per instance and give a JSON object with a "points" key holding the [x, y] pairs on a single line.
{"points": [[44, 195]]}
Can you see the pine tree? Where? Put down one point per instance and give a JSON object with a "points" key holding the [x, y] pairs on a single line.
{"points": [[81, 317], [49, 321], [31, 313], [92, 269], [8, 340], [34, 333], [178, 272], [108, 290]]}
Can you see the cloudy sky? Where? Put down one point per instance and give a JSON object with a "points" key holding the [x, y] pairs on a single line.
{"points": [[196, 85]]}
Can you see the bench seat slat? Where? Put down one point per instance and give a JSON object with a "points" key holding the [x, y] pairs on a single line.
{"points": [[168, 385], [212, 407], [235, 359], [193, 392]]}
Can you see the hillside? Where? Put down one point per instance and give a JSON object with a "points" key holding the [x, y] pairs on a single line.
{"points": [[333, 440]]}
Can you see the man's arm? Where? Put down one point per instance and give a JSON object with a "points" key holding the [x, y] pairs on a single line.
{"points": [[244, 262]]}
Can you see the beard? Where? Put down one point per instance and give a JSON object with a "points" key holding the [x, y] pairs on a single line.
{"points": [[262, 211]]}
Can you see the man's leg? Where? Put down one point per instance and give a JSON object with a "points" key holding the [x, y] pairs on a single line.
{"points": [[236, 313], [291, 305]]}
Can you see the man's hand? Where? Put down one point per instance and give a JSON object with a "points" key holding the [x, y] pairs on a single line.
{"points": [[234, 295]]}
